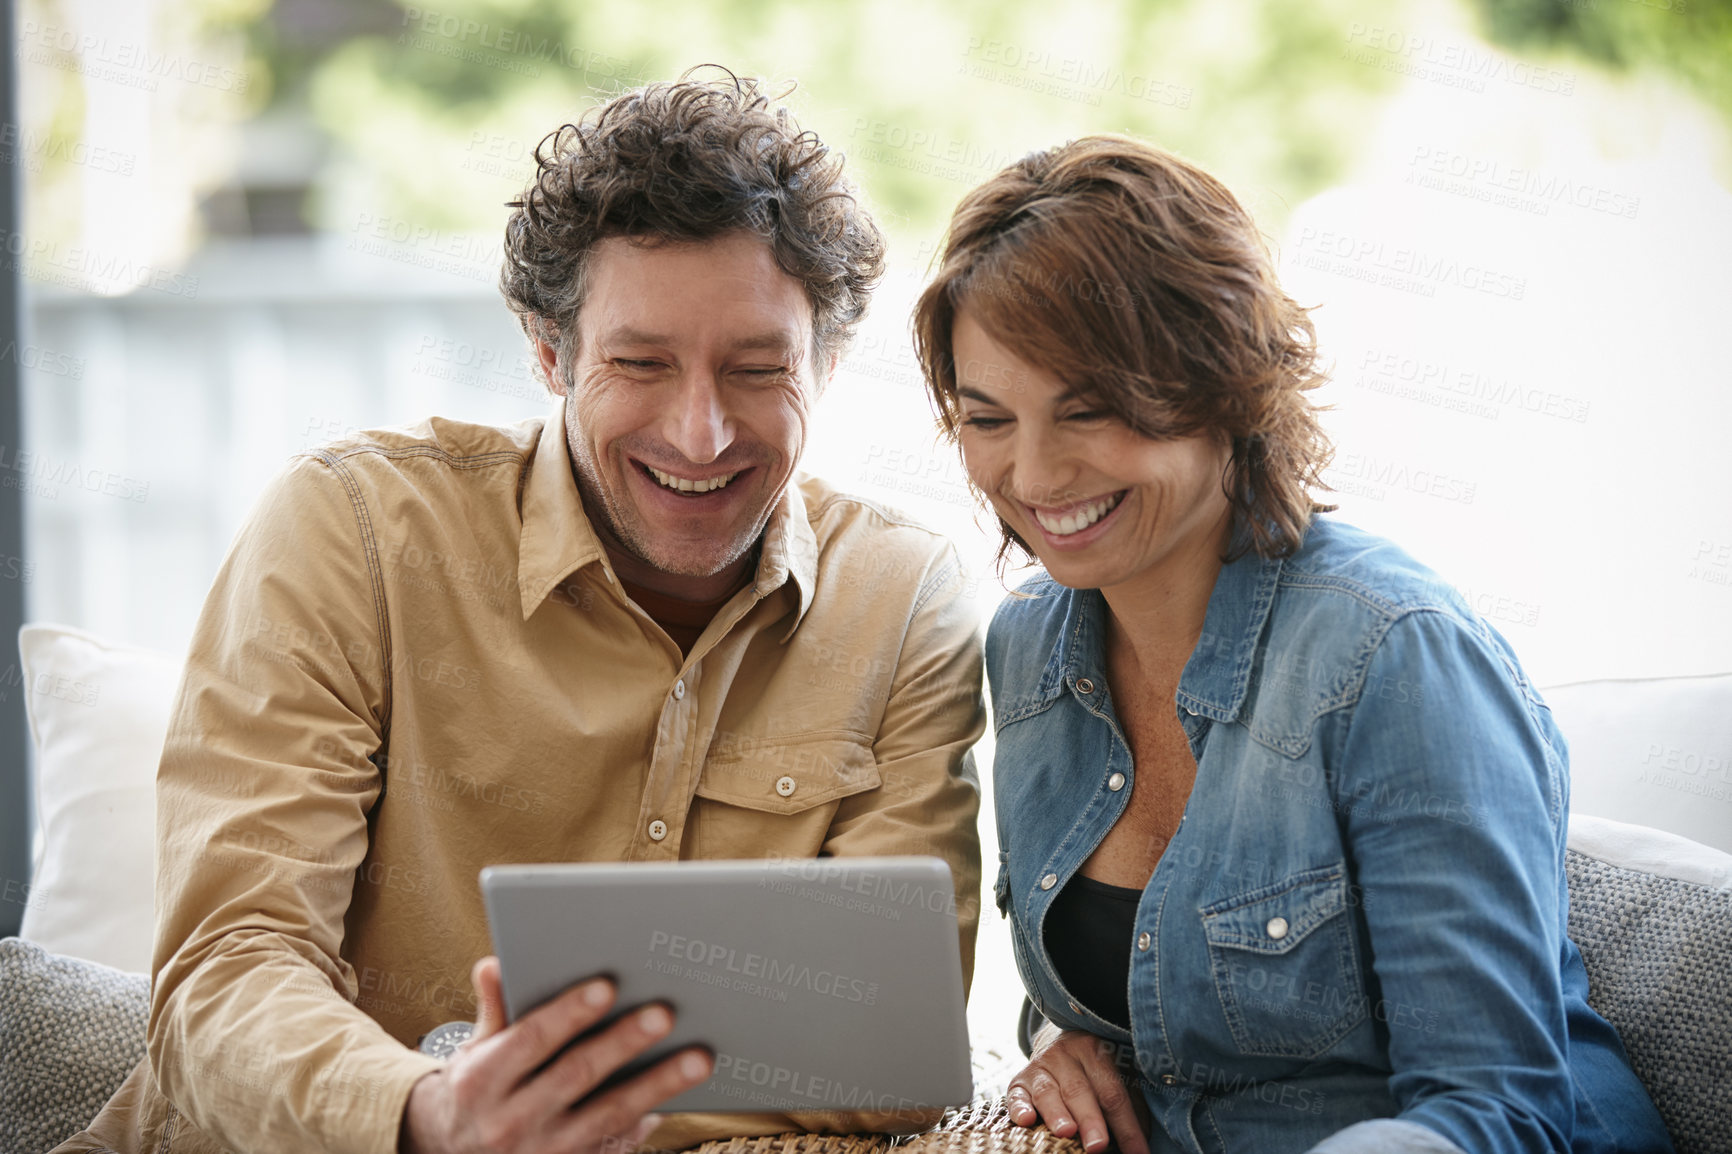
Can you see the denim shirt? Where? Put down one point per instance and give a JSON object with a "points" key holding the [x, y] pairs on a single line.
{"points": [[1362, 913]]}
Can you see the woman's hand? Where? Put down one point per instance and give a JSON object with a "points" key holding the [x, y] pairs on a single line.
{"points": [[1074, 1084]]}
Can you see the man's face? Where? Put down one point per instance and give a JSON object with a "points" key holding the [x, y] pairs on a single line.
{"points": [[688, 396]]}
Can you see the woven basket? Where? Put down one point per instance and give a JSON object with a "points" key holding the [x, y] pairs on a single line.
{"points": [[982, 1127], [797, 1144]]}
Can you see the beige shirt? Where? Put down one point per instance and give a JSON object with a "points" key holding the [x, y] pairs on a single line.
{"points": [[416, 662]]}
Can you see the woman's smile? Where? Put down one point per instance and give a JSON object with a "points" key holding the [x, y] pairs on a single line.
{"points": [[1078, 525], [1098, 502], [1069, 522]]}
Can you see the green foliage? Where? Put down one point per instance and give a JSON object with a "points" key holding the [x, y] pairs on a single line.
{"points": [[437, 108], [927, 102], [1689, 39]]}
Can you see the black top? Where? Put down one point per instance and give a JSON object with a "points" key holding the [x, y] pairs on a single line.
{"points": [[1088, 935]]}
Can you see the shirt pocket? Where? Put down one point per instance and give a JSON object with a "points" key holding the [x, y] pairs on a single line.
{"points": [[1285, 965], [777, 797]]}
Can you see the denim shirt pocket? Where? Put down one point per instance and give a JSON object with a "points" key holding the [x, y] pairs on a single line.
{"points": [[1284, 964]]}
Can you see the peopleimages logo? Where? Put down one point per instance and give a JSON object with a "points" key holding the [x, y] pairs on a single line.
{"points": [[1456, 65], [1374, 477], [775, 1084], [1400, 266], [43, 466], [1515, 186], [77, 267], [130, 64], [774, 971], [460, 32]]}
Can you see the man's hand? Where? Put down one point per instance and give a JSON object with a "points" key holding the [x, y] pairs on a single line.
{"points": [[1071, 1081], [495, 1096]]}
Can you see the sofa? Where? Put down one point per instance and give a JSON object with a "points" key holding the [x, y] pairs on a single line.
{"points": [[1650, 900]]}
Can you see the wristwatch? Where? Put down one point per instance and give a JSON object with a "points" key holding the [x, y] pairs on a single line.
{"points": [[442, 1041]]}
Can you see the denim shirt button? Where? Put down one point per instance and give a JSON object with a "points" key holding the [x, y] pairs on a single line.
{"points": [[1075, 1009], [1169, 1080], [1084, 685], [1047, 882], [1144, 941], [1277, 928], [1116, 782]]}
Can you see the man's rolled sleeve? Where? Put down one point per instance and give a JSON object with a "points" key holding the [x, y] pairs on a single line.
{"points": [[264, 792]]}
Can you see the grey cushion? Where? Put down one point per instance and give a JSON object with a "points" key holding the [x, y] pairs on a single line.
{"points": [[1656, 951], [70, 1032]]}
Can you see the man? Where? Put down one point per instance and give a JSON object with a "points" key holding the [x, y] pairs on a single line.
{"points": [[627, 632]]}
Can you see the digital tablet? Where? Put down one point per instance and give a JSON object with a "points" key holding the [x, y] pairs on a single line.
{"points": [[818, 984]]}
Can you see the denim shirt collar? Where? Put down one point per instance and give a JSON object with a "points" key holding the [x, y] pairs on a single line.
{"points": [[1218, 673]]}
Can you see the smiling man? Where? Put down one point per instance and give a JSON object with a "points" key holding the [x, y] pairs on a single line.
{"points": [[687, 405], [630, 631]]}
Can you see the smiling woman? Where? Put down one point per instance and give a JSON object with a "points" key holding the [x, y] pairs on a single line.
{"points": [[1062, 471], [1145, 288], [1285, 908]]}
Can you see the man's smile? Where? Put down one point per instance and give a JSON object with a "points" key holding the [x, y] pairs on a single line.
{"points": [[689, 484]]}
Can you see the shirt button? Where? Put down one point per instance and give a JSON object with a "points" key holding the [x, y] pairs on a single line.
{"points": [[608, 573], [658, 829], [1144, 941], [680, 689], [1190, 711], [1116, 782], [1047, 882], [1277, 928], [785, 786], [1084, 685], [1075, 1009], [1169, 1080]]}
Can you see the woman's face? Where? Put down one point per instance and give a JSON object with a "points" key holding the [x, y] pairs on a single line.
{"points": [[1101, 505]]}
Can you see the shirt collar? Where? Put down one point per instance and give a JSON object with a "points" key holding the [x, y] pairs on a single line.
{"points": [[557, 538], [790, 551], [1218, 673]]}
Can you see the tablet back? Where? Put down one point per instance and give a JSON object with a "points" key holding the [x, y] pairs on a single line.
{"points": [[819, 984]]}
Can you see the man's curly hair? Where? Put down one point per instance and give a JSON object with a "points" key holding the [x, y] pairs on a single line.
{"points": [[688, 161]]}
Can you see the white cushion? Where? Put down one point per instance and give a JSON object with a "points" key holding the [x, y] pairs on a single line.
{"points": [[1650, 851], [1656, 752], [98, 715]]}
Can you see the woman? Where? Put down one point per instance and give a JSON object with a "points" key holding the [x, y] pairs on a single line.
{"points": [[1281, 822]]}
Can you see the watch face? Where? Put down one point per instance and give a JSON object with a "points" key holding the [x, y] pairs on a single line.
{"points": [[442, 1041]]}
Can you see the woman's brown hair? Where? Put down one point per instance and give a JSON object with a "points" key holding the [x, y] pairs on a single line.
{"points": [[1136, 278]]}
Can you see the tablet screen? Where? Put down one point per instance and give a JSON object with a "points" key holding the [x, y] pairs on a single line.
{"points": [[818, 984]]}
